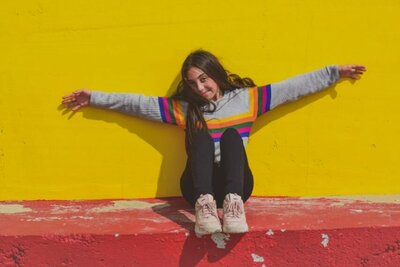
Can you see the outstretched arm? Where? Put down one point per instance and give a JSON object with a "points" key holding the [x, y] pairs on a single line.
{"points": [[311, 82], [161, 109]]}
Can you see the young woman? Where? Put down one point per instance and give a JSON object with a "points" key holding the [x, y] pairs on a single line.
{"points": [[217, 111]]}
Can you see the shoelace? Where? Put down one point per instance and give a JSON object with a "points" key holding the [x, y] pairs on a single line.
{"points": [[234, 209], [208, 209]]}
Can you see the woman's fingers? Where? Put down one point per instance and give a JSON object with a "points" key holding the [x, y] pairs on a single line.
{"points": [[68, 96], [360, 67], [76, 107], [353, 71], [359, 70], [75, 100], [70, 102], [73, 94], [67, 100], [73, 106]]}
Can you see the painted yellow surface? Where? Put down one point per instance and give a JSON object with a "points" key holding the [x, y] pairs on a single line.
{"points": [[341, 141]]}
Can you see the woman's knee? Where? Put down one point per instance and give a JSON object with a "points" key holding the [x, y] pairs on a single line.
{"points": [[230, 135], [202, 136]]}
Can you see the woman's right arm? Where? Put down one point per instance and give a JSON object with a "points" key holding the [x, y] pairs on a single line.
{"points": [[154, 108]]}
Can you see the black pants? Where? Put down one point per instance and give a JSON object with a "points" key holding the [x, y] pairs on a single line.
{"points": [[202, 175]]}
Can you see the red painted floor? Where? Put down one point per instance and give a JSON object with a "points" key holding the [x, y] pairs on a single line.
{"points": [[345, 231]]}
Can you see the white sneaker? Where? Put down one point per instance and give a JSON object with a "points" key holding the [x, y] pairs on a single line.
{"points": [[207, 221], [234, 216]]}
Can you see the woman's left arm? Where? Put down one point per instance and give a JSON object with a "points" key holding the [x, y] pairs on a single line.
{"points": [[311, 82]]}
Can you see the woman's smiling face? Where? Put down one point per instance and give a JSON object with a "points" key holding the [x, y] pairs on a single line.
{"points": [[202, 84]]}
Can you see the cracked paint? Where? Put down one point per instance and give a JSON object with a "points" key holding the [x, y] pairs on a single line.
{"points": [[219, 239], [82, 217], [60, 209], [270, 232], [344, 200], [13, 208], [39, 219], [356, 210], [325, 240], [257, 258], [120, 205]]}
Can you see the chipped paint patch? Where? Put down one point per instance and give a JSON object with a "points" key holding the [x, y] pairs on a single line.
{"points": [[325, 240], [154, 220], [283, 230], [270, 232], [13, 208], [394, 199], [338, 203], [120, 205], [116, 235], [356, 211], [257, 258], [342, 200], [219, 239], [39, 219], [82, 217], [279, 202], [61, 209]]}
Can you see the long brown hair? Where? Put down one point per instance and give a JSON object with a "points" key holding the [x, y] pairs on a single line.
{"points": [[208, 63]]}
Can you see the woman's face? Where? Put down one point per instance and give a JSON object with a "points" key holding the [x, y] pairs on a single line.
{"points": [[203, 85]]}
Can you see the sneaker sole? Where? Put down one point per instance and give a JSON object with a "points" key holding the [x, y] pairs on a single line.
{"points": [[236, 230], [201, 231]]}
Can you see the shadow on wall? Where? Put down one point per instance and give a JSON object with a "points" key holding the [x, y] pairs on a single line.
{"points": [[169, 139]]}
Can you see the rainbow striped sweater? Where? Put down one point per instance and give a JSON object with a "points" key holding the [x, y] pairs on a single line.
{"points": [[236, 109]]}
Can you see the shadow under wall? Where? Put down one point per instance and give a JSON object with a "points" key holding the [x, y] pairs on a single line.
{"points": [[168, 140], [195, 248]]}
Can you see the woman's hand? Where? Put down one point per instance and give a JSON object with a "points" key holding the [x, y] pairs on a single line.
{"points": [[77, 99], [351, 71]]}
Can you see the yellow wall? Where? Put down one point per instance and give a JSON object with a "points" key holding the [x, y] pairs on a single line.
{"points": [[340, 141]]}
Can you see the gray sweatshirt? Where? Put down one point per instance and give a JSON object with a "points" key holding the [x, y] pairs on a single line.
{"points": [[236, 109]]}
